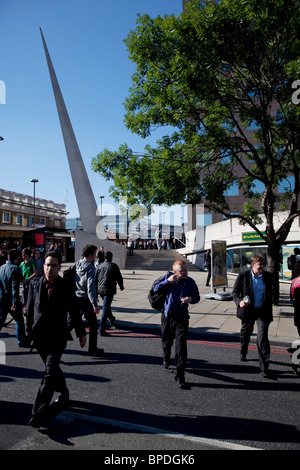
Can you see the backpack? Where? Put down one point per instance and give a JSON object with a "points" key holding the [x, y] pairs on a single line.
{"points": [[157, 299], [69, 276]]}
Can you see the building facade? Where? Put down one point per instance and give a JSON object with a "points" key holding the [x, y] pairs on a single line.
{"points": [[32, 222], [20, 210]]}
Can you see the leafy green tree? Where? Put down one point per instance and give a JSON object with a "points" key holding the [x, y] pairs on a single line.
{"points": [[222, 79]]}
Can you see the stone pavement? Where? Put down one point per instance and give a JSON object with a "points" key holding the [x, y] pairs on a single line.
{"points": [[212, 319]]}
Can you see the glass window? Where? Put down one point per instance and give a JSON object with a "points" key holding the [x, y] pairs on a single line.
{"points": [[258, 187], [203, 220], [233, 190], [6, 217], [19, 219], [239, 259], [286, 185]]}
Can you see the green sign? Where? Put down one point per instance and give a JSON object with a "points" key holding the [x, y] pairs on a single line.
{"points": [[251, 236]]}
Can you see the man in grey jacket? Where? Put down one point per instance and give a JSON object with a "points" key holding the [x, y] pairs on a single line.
{"points": [[86, 295]]}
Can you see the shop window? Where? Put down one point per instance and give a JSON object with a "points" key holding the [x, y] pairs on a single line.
{"points": [[239, 259]]}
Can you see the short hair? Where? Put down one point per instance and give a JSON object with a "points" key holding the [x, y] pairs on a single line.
{"points": [[26, 251], [108, 255], [88, 250], [178, 262], [13, 254], [54, 254], [258, 259]]}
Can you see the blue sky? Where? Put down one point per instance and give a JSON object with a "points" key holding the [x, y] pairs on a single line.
{"points": [[85, 42]]}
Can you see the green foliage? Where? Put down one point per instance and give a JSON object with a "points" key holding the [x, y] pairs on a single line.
{"points": [[211, 75]]}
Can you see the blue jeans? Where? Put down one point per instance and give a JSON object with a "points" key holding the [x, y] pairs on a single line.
{"points": [[17, 316], [106, 311]]}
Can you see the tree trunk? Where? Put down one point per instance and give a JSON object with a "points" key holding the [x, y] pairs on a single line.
{"points": [[274, 256]]}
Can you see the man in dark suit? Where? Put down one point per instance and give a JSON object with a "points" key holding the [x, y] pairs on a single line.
{"points": [[50, 302], [252, 293]]}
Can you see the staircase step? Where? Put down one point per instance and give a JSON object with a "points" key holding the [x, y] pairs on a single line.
{"points": [[155, 260]]}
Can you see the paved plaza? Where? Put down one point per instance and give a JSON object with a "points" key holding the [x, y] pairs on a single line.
{"points": [[208, 318]]}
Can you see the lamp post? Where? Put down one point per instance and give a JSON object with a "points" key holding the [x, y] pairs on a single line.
{"points": [[101, 197], [34, 181]]}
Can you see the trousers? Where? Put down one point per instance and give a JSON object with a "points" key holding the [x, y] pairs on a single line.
{"points": [[53, 380], [17, 315], [175, 329], [106, 311], [86, 308], [262, 340]]}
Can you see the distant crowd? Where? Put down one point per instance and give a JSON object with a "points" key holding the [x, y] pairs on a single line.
{"points": [[164, 244]]}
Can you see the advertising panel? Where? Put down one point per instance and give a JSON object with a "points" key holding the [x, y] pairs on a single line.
{"points": [[218, 264]]}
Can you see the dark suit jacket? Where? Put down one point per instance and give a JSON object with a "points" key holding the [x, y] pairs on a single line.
{"points": [[107, 276], [50, 314], [243, 286]]}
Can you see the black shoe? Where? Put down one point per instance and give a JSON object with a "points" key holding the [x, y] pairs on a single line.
{"points": [[243, 358], [35, 421], [112, 321], [267, 374], [181, 382], [25, 343], [63, 399], [97, 352], [104, 333], [166, 364]]}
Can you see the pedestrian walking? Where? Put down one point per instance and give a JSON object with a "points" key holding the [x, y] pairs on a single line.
{"points": [[295, 291], [180, 290], [108, 275], [158, 236], [252, 293], [293, 263], [29, 271], [39, 263], [51, 302], [85, 291], [10, 278], [292, 260], [208, 266]]}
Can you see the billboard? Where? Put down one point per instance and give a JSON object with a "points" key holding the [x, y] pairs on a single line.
{"points": [[218, 264]]}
